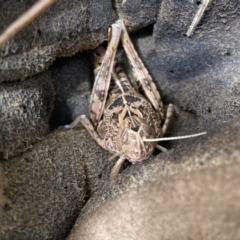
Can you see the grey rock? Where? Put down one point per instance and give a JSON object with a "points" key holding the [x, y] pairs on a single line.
{"points": [[44, 189], [64, 29], [25, 111], [201, 73], [197, 205], [31, 108], [137, 14]]}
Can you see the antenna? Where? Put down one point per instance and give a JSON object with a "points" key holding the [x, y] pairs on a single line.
{"points": [[174, 138]]}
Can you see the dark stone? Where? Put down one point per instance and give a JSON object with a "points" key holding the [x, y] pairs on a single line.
{"points": [[26, 107]]}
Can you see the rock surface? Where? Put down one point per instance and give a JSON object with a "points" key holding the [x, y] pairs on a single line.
{"points": [[64, 29], [44, 189], [194, 205], [25, 110], [64, 178]]}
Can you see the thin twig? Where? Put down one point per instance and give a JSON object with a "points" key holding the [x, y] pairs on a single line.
{"points": [[24, 19], [197, 17]]}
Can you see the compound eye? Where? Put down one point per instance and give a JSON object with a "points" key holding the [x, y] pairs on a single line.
{"points": [[146, 130], [124, 136]]}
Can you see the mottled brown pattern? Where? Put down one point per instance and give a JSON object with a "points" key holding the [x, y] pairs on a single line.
{"points": [[121, 118]]}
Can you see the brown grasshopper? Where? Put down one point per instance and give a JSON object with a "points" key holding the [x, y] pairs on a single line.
{"points": [[122, 120]]}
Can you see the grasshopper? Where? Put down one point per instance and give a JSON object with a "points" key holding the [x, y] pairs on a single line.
{"points": [[122, 120]]}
